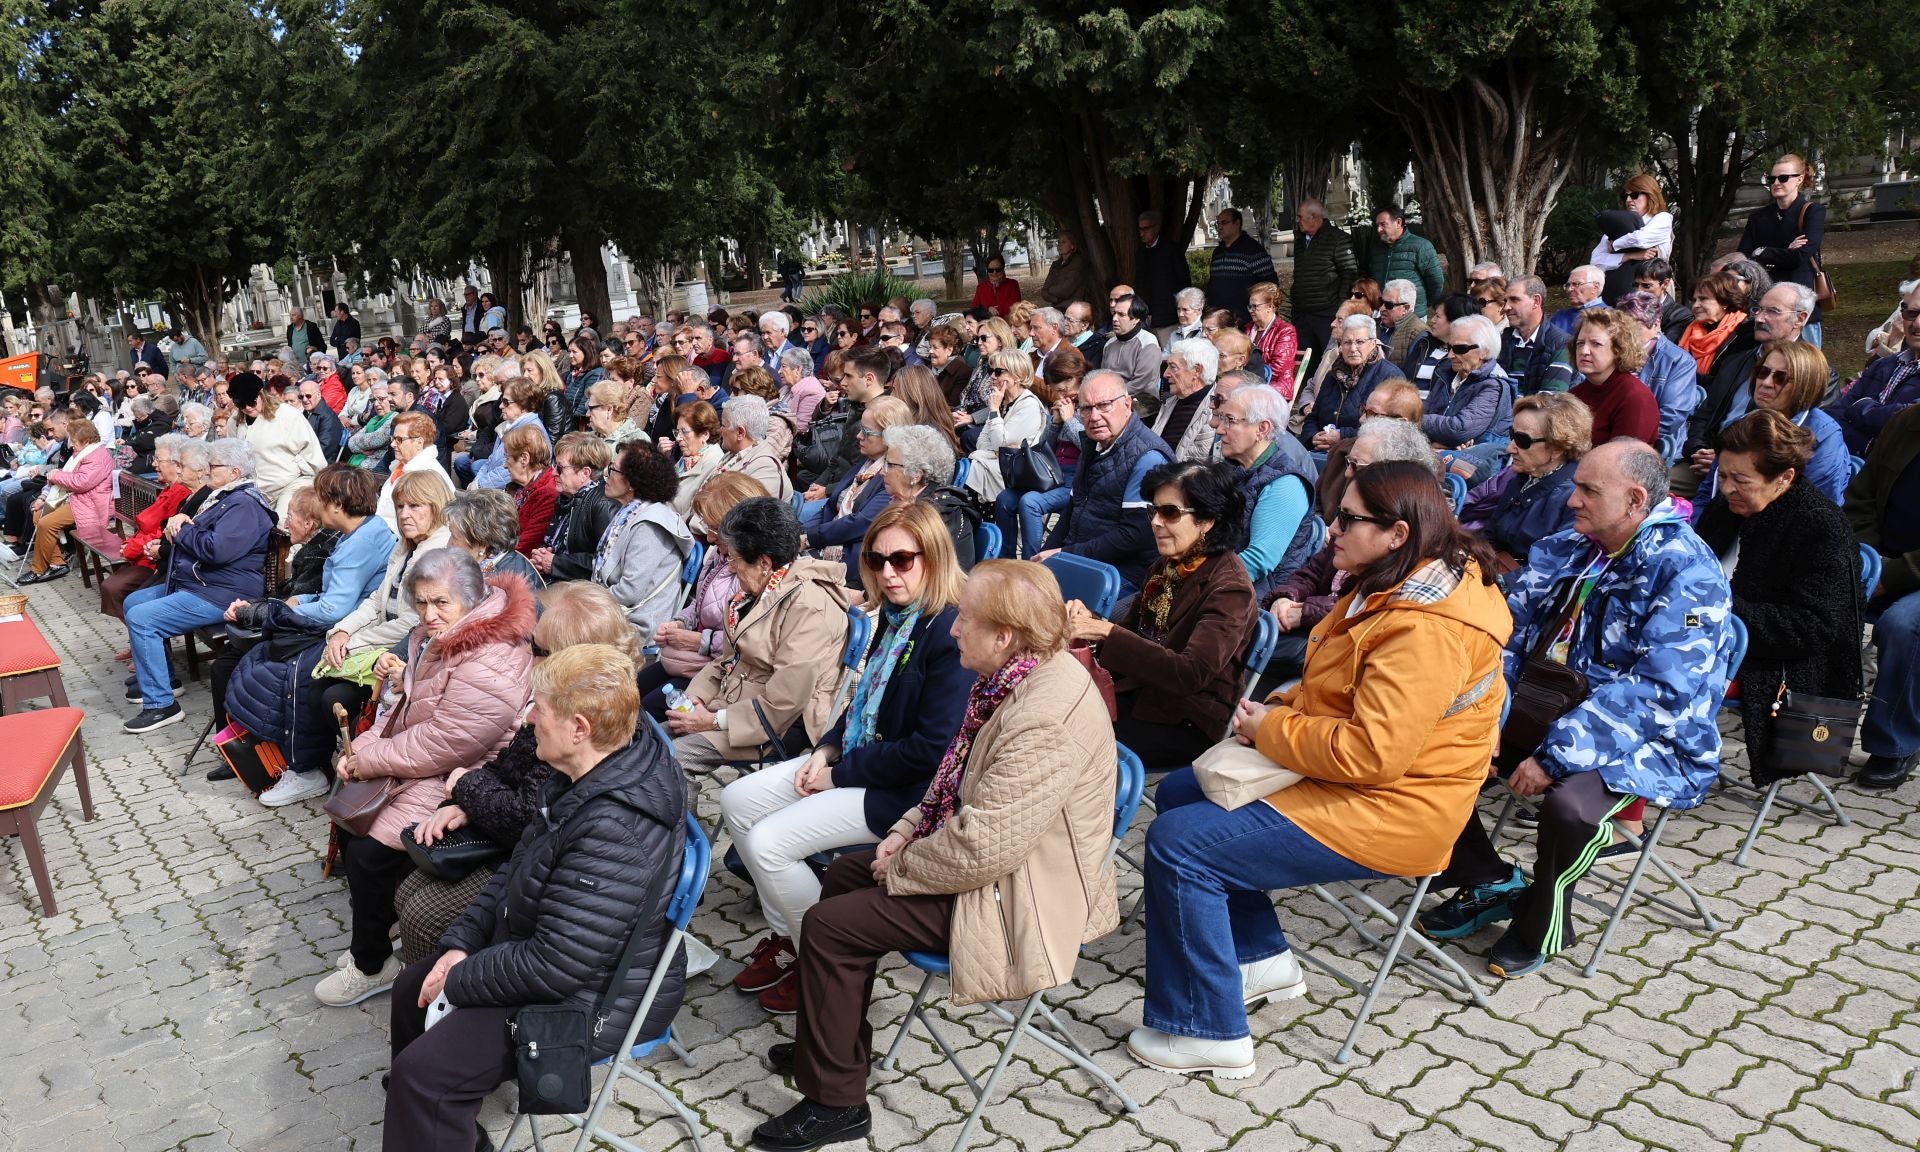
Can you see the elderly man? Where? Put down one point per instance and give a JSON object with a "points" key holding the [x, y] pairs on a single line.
{"points": [[1782, 314], [1398, 254], [1324, 269], [1133, 352], [1238, 263], [303, 336], [326, 426], [1400, 322], [1182, 421], [920, 317], [1533, 352], [1047, 328], [774, 327], [1160, 264], [1888, 386], [1630, 598], [1669, 373], [743, 437], [1882, 508], [1275, 478], [1108, 518], [1584, 285], [1072, 275], [1080, 329], [470, 314]]}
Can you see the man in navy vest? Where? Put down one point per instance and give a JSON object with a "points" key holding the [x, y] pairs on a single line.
{"points": [[1107, 518]]}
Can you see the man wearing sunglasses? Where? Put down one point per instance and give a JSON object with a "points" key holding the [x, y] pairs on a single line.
{"points": [[1784, 235], [1107, 517], [1889, 384]]}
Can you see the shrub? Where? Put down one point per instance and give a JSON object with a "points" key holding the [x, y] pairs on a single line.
{"points": [[852, 289]]}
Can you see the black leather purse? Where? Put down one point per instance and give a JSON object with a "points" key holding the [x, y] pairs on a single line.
{"points": [[455, 855], [1031, 467], [1544, 691], [1813, 734]]}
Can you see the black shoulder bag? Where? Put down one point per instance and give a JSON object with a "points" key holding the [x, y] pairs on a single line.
{"points": [[1544, 691], [1813, 734]]}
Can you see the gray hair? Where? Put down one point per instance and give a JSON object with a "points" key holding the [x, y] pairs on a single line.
{"points": [[923, 302], [173, 444], [797, 358], [1362, 322], [1643, 467], [778, 319], [1197, 352], [232, 453], [195, 411], [453, 569], [142, 406], [1397, 439], [485, 518], [1264, 404], [1314, 208], [1191, 297], [1586, 274], [923, 452], [1802, 295], [1478, 329], [1233, 381], [1529, 285], [1752, 273], [1151, 216], [1399, 291], [1486, 268], [746, 414], [1051, 316], [196, 455], [1105, 375]]}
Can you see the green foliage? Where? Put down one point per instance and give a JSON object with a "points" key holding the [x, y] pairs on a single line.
{"points": [[1200, 266], [850, 290], [26, 166], [1570, 231]]}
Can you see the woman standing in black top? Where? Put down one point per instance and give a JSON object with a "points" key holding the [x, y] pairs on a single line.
{"points": [[1784, 235]]}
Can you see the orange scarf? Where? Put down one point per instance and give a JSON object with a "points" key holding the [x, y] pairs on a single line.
{"points": [[1703, 343]]}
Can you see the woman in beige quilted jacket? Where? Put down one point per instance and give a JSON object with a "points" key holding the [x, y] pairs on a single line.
{"points": [[1002, 865]]}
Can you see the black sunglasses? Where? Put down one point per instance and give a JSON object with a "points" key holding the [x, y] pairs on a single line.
{"points": [[1346, 520], [902, 561], [1909, 314], [1782, 177], [1523, 441], [1462, 349]]}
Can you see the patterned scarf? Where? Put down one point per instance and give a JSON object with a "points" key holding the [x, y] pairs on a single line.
{"points": [[742, 603], [943, 795], [896, 648], [1156, 599]]}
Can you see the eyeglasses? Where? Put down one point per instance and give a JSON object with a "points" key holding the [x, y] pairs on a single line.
{"points": [[1346, 520], [1462, 349], [1360, 343], [1762, 374], [1777, 313], [599, 407], [866, 433], [809, 328], [1388, 305], [1100, 406], [1523, 441], [1228, 420], [1168, 513], [992, 268], [1783, 177], [902, 561]]}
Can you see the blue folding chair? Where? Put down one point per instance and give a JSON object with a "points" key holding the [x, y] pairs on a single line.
{"points": [[690, 575], [1870, 566], [1130, 786], [986, 542], [694, 861], [962, 468], [1093, 583], [1457, 491], [1854, 465], [1266, 637]]}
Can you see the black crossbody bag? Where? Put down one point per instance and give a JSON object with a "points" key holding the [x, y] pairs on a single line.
{"points": [[1544, 691], [1813, 734]]}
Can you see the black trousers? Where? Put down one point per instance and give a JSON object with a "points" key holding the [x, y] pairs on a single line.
{"points": [[440, 1078], [653, 689], [1316, 332], [1574, 815], [19, 510], [1161, 747], [330, 692], [374, 872]]}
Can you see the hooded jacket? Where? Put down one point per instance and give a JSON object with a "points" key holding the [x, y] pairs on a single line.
{"points": [[286, 454], [1394, 720], [1653, 642], [600, 856], [384, 618], [639, 561]]}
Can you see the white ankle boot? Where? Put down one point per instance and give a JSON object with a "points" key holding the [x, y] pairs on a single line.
{"points": [[1278, 977], [1223, 1059]]}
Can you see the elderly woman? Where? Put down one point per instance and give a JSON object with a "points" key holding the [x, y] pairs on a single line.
{"points": [[143, 546], [1176, 656], [1275, 479], [1427, 360], [858, 496], [519, 408], [367, 448], [944, 345], [1607, 350], [1790, 377], [501, 796], [1718, 329], [608, 414], [148, 426], [695, 427], [486, 524], [1390, 731], [1236, 351], [1347, 378], [1184, 418], [529, 460], [694, 638], [1277, 340], [78, 496], [462, 680], [552, 924], [771, 691], [1527, 499], [645, 545], [799, 390], [920, 467], [412, 443], [1012, 415], [580, 518], [287, 454], [1001, 865], [1470, 408], [994, 335], [218, 555], [196, 421], [876, 761], [753, 380]]}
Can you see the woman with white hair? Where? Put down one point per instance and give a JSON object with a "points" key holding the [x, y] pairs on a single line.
{"points": [[196, 420], [1358, 366], [920, 468], [1472, 404], [799, 390]]}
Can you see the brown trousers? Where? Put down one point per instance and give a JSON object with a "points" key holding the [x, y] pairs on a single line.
{"points": [[47, 528], [121, 583], [841, 943]]}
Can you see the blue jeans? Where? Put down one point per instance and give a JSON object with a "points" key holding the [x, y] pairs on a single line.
{"points": [[1810, 332], [463, 467], [152, 615], [1022, 519], [1892, 726], [1208, 874]]}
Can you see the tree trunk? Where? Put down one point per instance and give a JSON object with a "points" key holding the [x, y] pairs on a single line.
{"points": [[198, 302], [1491, 160], [507, 269], [47, 313], [1306, 169], [589, 277], [1709, 158], [750, 256], [952, 275], [985, 244]]}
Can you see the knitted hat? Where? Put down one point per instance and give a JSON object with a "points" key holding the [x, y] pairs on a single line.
{"points": [[244, 389]]}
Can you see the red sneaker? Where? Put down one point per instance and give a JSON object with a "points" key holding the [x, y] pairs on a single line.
{"points": [[772, 959], [783, 999]]}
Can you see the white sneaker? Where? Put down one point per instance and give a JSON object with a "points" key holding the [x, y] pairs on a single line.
{"points": [[348, 985], [293, 787], [7, 554], [1222, 1059], [1278, 977]]}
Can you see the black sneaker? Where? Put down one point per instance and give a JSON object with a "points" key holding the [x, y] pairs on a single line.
{"points": [[1511, 960], [1473, 908], [151, 718], [1886, 771], [780, 1058], [807, 1125]]}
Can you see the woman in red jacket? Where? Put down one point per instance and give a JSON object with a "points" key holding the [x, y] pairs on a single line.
{"points": [[535, 491], [997, 290], [177, 482]]}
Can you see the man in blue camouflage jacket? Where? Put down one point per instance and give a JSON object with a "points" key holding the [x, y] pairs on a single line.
{"points": [[1649, 629]]}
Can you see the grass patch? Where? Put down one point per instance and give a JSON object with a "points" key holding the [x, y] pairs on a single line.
{"points": [[1867, 295]]}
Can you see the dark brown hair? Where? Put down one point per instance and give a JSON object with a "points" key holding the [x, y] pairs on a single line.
{"points": [[1775, 443], [1410, 493], [352, 490]]}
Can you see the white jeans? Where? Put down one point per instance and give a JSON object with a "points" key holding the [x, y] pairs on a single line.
{"points": [[776, 829]]}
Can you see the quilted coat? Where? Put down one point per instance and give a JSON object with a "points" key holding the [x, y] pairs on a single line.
{"points": [[782, 663], [705, 613], [463, 696], [88, 479], [1025, 855], [601, 854], [1653, 642]]}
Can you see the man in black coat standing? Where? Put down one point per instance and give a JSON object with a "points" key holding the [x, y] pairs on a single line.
{"points": [[1324, 269], [1160, 268]]}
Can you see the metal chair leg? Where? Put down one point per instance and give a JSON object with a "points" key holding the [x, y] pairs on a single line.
{"points": [[205, 734], [1759, 818], [916, 1011], [984, 1093]]}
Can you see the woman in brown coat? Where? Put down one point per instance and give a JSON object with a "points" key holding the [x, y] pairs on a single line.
{"points": [[1002, 865], [1178, 654]]}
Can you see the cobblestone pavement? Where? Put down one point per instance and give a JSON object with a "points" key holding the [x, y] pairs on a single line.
{"points": [[169, 1005]]}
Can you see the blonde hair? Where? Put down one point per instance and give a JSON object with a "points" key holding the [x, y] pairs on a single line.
{"points": [[577, 612], [584, 449], [595, 682], [1568, 419], [1023, 598], [941, 578], [886, 411], [426, 488], [1623, 332], [610, 392], [1266, 292], [538, 367], [720, 492]]}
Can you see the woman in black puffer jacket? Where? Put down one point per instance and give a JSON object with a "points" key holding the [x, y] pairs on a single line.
{"points": [[500, 797], [599, 861]]}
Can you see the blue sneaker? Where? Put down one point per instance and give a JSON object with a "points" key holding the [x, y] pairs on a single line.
{"points": [[1512, 960], [1471, 909]]}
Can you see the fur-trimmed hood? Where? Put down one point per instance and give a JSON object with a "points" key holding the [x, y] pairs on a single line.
{"points": [[506, 616]]}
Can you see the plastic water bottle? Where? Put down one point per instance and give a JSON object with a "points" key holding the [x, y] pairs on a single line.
{"points": [[678, 701]]}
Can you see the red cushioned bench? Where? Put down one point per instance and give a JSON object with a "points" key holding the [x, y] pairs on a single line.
{"points": [[29, 667], [39, 745]]}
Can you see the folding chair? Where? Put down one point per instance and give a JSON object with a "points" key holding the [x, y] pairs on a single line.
{"points": [[1457, 491], [690, 575], [1093, 583], [986, 542], [961, 469], [622, 1064], [1131, 786]]}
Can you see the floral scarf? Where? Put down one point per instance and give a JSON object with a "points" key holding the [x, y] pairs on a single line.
{"points": [[943, 795], [896, 648], [1156, 599], [742, 603]]}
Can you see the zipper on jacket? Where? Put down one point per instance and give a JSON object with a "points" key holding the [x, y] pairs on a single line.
{"points": [[1006, 926]]}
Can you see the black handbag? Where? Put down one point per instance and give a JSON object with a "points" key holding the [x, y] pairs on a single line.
{"points": [[455, 855], [1030, 467], [1812, 734], [1544, 691]]}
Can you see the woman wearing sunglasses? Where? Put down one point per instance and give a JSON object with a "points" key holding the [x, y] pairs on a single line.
{"points": [[1177, 654], [1014, 415], [1528, 498], [1390, 728], [1789, 377], [876, 761]]}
